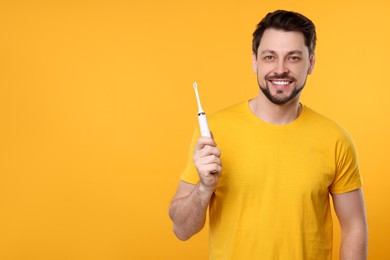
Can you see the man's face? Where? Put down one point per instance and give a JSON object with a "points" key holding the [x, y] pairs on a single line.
{"points": [[282, 65]]}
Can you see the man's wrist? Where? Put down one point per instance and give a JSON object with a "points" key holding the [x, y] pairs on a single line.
{"points": [[205, 191]]}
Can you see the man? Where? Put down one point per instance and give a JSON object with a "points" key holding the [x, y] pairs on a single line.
{"points": [[268, 191]]}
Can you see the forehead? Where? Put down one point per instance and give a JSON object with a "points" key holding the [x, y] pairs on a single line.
{"points": [[282, 41]]}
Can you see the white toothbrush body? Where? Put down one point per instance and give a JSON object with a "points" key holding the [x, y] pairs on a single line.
{"points": [[203, 125]]}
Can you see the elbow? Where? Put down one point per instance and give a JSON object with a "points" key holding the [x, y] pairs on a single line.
{"points": [[355, 242], [183, 236], [358, 232], [178, 230]]}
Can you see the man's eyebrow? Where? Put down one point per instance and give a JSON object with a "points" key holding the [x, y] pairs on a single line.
{"points": [[295, 52], [268, 51], [273, 52]]}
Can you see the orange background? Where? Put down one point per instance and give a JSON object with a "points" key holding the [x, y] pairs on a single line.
{"points": [[97, 110]]}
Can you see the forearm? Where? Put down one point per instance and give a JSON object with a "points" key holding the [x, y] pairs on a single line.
{"points": [[189, 213], [354, 245]]}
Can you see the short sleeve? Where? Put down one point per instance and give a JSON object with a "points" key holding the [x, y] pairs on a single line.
{"points": [[347, 177]]}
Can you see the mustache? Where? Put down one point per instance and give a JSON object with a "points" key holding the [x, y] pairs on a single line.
{"points": [[280, 76]]}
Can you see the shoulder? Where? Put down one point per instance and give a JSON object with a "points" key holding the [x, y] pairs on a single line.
{"points": [[237, 110], [229, 120], [323, 124]]}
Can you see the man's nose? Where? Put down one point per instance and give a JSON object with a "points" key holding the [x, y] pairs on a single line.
{"points": [[281, 67]]}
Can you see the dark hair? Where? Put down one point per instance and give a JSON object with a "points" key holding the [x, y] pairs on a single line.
{"points": [[286, 21]]}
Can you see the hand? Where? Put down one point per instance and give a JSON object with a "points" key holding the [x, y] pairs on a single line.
{"points": [[208, 163]]}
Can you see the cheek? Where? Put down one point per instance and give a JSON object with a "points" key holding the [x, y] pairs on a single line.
{"points": [[302, 72], [263, 69]]}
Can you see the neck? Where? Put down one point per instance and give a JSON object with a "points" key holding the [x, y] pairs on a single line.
{"points": [[275, 114]]}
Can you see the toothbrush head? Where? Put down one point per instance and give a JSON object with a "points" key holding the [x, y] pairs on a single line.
{"points": [[195, 85]]}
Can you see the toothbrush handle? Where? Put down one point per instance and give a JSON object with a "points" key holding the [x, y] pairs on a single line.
{"points": [[203, 125]]}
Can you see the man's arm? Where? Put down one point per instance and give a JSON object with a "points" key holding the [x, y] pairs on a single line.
{"points": [[189, 206], [188, 209], [351, 212]]}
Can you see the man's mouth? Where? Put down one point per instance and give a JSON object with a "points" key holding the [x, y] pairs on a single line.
{"points": [[281, 82]]}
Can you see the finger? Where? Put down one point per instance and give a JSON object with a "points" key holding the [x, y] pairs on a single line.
{"points": [[211, 159], [203, 162], [203, 141], [209, 150], [208, 169], [214, 169]]}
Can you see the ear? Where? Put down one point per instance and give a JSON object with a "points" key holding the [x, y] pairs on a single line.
{"points": [[312, 62], [254, 63]]}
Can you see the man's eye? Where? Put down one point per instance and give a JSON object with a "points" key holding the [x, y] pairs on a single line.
{"points": [[268, 57], [295, 58]]}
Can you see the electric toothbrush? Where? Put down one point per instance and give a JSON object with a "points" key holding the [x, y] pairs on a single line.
{"points": [[203, 125]]}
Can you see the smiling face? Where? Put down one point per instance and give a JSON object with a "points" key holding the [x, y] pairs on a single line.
{"points": [[282, 65]]}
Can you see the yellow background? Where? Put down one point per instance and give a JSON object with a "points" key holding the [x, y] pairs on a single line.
{"points": [[97, 110]]}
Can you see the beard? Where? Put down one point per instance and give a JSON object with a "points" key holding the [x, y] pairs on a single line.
{"points": [[278, 98]]}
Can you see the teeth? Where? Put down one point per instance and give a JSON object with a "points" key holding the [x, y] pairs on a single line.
{"points": [[281, 83]]}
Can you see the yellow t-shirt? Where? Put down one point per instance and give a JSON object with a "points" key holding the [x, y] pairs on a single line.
{"points": [[272, 200]]}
